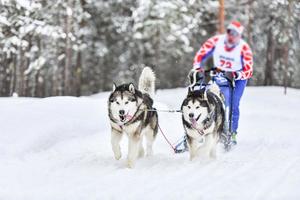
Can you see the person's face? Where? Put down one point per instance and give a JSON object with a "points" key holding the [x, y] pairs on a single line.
{"points": [[233, 37]]}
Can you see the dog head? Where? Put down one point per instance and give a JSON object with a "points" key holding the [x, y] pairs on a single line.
{"points": [[195, 107], [123, 102]]}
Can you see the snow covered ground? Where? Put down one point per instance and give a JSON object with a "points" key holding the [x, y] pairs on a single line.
{"points": [[59, 148]]}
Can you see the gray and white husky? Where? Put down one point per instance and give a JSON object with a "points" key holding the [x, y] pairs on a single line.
{"points": [[203, 116], [130, 113]]}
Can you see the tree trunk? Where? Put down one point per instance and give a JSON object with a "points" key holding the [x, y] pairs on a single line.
{"points": [[19, 76], [13, 81], [5, 76], [270, 59], [58, 69], [286, 61], [68, 51], [288, 32], [26, 89], [78, 73], [221, 16], [250, 22]]}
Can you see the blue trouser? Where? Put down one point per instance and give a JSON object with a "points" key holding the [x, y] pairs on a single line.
{"points": [[237, 94]]}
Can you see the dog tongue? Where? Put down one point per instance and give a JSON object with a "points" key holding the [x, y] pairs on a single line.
{"points": [[193, 120], [124, 117]]}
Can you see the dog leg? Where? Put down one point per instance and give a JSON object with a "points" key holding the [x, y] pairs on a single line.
{"points": [[192, 148], [204, 150], [115, 143], [213, 153], [213, 147], [133, 147], [141, 148], [209, 148], [150, 139]]}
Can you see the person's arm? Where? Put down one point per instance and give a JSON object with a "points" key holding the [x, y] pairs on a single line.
{"points": [[247, 62], [205, 52]]}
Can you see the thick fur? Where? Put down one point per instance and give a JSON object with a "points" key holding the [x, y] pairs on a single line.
{"points": [[127, 108], [203, 120], [147, 82]]}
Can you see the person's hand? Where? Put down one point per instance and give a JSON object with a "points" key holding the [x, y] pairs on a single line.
{"points": [[197, 68], [217, 69], [233, 75], [237, 75]]}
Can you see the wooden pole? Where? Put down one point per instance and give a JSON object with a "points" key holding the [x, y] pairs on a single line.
{"points": [[221, 16], [68, 51], [286, 47]]}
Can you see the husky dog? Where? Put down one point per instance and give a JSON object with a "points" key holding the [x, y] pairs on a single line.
{"points": [[203, 116], [131, 112]]}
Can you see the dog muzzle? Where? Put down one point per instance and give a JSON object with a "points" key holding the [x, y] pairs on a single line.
{"points": [[194, 120], [124, 118]]}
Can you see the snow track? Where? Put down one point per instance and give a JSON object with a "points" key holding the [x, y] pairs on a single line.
{"points": [[59, 148]]}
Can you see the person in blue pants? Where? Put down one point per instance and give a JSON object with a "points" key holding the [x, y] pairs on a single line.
{"points": [[231, 55], [238, 91]]}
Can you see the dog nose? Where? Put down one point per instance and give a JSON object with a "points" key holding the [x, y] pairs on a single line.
{"points": [[191, 115], [122, 112]]}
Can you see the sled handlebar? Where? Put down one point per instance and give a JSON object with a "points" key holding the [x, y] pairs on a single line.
{"points": [[228, 75]]}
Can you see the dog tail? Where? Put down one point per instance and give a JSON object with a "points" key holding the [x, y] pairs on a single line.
{"points": [[214, 88], [147, 81]]}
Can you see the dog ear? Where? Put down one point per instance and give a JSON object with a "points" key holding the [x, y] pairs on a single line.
{"points": [[189, 90], [131, 88], [114, 87]]}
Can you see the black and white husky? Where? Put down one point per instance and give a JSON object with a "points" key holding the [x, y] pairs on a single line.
{"points": [[203, 116], [129, 114]]}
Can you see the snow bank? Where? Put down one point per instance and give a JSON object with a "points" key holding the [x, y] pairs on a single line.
{"points": [[59, 148]]}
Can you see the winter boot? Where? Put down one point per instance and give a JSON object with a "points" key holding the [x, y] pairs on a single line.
{"points": [[233, 138], [181, 146]]}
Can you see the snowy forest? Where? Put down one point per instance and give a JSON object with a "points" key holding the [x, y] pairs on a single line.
{"points": [[80, 47]]}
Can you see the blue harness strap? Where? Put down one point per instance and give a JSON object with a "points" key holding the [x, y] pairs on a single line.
{"points": [[181, 146]]}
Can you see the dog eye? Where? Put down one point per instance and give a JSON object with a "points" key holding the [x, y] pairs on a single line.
{"points": [[189, 107], [118, 103], [197, 107], [126, 102]]}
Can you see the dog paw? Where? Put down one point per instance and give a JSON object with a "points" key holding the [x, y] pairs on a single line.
{"points": [[118, 156], [213, 155], [192, 157], [130, 164], [141, 153], [149, 152]]}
